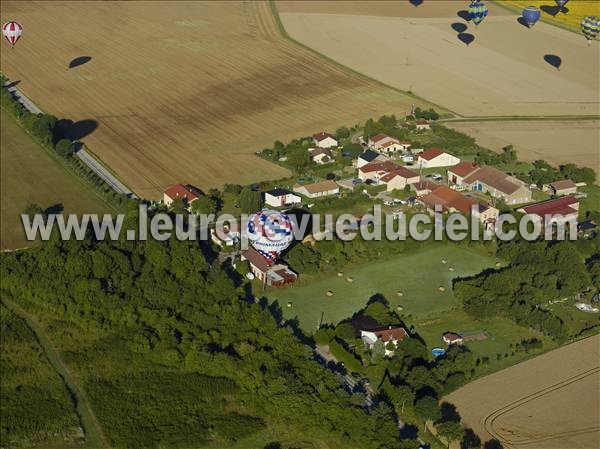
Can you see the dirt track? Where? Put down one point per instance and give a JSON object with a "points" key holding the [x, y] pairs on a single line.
{"points": [[549, 402]]}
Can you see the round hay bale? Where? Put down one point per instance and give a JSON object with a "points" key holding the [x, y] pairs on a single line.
{"points": [[289, 304], [498, 264], [444, 261], [442, 288], [350, 279], [399, 293], [451, 269], [340, 274], [399, 308], [329, 293]]}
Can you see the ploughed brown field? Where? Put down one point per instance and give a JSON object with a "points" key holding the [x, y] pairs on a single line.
{"points": [[557, 142], [500, 68], [183, 91], [549, 402]]}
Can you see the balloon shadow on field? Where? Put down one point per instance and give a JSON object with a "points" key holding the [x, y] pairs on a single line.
{"points": [[415, 2], [80, 60], [464, 14], [76, 130], [459, 27], [554, 10], [553, 60], [466, 38], [523, 22], [55, 209]]}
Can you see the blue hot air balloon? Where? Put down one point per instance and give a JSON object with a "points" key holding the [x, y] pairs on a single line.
{"points": [[478, 11], [531, 15]]}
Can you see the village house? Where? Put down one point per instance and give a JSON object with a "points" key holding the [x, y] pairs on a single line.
{"points": [[321, 155], [556, 211], [387, 144], [318, 189], [422, 125], [185, 192], [389, 334], [324, 140], [447, 200], [281, 197], [423, 187], [459, 172], [394, 176], [563, 187], [490, 180], [436, 157], [369, 156], [451, 338], [271, 274], [486, 214]]}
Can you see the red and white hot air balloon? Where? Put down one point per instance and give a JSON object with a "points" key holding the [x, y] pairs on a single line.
{"points": [[12, 32]]}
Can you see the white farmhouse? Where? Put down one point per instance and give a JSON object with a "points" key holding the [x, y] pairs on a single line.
{"points": [[281, 197], [436, 157], [324, 140]]}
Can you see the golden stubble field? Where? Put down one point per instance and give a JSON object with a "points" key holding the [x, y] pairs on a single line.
{"points": [[183, 91], [549, 402], [556, 142], [506, 70]]}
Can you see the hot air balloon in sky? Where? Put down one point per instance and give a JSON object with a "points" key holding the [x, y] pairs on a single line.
{"points": [[270, 233], [478, 11], [590, 27], [12, 32], [531, 15]]}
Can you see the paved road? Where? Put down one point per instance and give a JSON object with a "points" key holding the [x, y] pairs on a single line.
{"points": [[95, 438], [82, 154]]}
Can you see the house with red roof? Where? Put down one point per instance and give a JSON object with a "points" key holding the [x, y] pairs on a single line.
{"points": [[270, 273], [324, 140], [460, 171], [394, 176], [436, 157], [451, 338], [387, 144], [448, 200], [388, 334], [185, 192], [556, 211], [490, 180]]}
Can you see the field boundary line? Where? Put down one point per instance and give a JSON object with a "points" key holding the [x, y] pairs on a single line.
{"points": [[95, 438], [63, 165], [490, 419], [286, 35]]}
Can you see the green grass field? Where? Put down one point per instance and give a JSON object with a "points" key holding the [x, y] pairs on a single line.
{"points": [[31, 174], [418, 276]]}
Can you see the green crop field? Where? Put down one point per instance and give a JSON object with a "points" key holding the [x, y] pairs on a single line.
{"points": [[31, 174]]}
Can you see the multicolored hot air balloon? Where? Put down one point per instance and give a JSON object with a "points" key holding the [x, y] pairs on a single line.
{"points": [[531, 15], [478, 11], [270, 233], [590, 27], [12, 32]]}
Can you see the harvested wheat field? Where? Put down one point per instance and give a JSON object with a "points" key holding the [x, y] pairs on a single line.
{"points": [[183, 91], [556, 142], [549, 402], [500, 68]]}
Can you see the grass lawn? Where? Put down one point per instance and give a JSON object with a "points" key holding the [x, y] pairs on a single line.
{"points": [[31, 174], [590, 203], [417, 276]]}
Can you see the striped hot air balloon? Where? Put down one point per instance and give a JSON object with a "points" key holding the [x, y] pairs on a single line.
{"points": [[590, 27], [12, 32], [270, 233], [531, 15], [478, 11]]}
